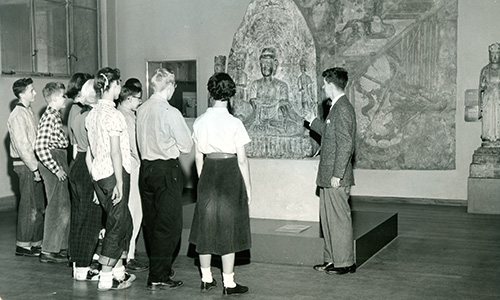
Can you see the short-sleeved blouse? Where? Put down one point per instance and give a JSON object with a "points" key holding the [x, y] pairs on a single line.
{"points": [[102, 122], [218, 131]]}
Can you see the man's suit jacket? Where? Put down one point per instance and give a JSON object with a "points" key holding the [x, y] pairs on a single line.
{"points": [[338, 136]]}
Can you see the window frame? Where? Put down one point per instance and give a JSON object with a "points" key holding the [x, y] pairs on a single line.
{"points": [[70, 55]]}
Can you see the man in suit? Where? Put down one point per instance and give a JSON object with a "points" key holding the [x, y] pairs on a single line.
{"points": [[335, 175]]}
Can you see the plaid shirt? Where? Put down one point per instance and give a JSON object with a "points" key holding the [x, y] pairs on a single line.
{"points": [[50, 135]]}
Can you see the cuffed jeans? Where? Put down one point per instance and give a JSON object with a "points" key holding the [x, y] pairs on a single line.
{"points": [[161, 185], [118, 220], [30, 209], [336, 224], [58, 210]]}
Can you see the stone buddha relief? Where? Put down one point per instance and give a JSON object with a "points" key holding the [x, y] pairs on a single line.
{"points": [[273, 62]]}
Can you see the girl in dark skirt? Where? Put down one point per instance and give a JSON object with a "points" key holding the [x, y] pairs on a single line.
{"points": [[221, 224]]}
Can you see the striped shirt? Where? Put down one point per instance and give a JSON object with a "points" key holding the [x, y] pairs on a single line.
{"points": [[50, 135]]}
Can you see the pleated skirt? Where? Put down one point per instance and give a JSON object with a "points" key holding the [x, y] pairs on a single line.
{"points": [[221, 222]]}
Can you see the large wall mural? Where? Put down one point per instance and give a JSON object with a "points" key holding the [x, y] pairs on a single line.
{"points": [[401, 57]]}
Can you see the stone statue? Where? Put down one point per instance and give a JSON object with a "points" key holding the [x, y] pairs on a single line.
{"points": [[241, 108], [219, 64], [305, 85], [273, 113], [489, 98]]}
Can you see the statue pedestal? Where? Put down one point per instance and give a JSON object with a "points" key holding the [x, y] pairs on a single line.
{"points": [[483, 191]]}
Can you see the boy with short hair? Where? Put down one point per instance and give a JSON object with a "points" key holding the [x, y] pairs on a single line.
{"points": [[22, 131], [50, 147], [128, 102]]}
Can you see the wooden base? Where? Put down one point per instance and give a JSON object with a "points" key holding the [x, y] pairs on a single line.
{"points": [[372, 232], [483, 195]]}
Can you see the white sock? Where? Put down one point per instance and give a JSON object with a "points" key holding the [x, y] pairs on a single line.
{"points": [[119, 273], [81, 273], [229, 280], [206, 275], [105, 280]]}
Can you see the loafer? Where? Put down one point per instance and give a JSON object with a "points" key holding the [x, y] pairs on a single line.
{"points": [[32, 252], [164, 285], [323, 267], [207, 286], [55, 258], [134, 265], [36, 249], [342, 270], [238, 289]]}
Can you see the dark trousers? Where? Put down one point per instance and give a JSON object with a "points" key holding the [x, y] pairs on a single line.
{"points": [[58, 210], [161, 184], [118, 220], [86, 216], [30, 209]]}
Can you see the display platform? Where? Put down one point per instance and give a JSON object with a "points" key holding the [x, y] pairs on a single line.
{"points": [[300, 242]]}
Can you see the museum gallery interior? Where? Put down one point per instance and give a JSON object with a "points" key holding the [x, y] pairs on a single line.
{"points": [[424, 85]]}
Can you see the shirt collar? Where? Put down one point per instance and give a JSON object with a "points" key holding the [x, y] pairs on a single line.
{"points": [[106, 102], [219, 109], [128, 112], [159, 98], [19, 103], [52, 110]]}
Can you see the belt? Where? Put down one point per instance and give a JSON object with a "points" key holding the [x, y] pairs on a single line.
{"points": [[219, 155]]}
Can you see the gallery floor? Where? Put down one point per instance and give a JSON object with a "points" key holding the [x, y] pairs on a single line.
{"points": [[441, 252]]}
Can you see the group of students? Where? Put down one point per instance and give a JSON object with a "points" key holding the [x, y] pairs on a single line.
{"points": [[125, 172]]}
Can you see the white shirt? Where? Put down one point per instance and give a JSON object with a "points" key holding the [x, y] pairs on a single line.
{"points": [[218, 131], [162, 132]]}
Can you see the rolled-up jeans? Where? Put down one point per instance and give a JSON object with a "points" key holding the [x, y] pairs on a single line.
{"points": [[58, 210], [118, 220], [30, 209]]}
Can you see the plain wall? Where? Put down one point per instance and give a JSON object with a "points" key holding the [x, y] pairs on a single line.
{"points": [[201, 29]]}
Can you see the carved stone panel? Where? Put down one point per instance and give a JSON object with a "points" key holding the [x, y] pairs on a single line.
{"points": [[273, 62]]}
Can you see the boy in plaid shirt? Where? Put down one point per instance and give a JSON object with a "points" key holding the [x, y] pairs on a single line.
{"points": [[50, 147]]}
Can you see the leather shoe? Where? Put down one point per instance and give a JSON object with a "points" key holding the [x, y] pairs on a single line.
{"points": [[207, 286], [238, 289], [163, 285], [323, 267], [54, 258], [32, 252], [342, 271], [134, 265]]}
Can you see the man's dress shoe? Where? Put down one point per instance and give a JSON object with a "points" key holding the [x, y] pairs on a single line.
{"points": [[324, 267], [342, 270]]}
